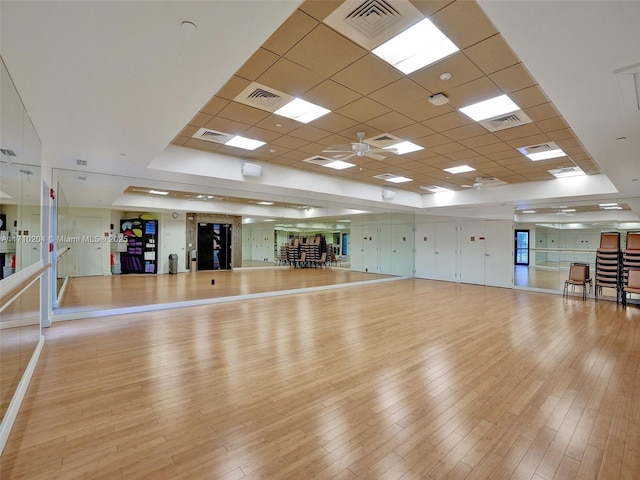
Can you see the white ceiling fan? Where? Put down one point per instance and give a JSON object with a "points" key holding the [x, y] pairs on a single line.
{"points": [[481, 183], [359, 149]]}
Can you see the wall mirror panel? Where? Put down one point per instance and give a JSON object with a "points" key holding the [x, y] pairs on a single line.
{"points": [[120, 240]]}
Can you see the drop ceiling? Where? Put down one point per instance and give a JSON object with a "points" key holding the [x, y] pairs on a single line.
{"points": [[124, 97]]}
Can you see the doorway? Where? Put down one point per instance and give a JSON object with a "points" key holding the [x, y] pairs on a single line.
{"points": [[214, 246], [522, 247]]}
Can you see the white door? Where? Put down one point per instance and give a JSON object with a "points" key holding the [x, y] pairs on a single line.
{"points": [[355, 248], [384, 249], [472, 252], [425, 242], [88, 252], [402, 250], [370, 248], [446, 253], [499, 254]]}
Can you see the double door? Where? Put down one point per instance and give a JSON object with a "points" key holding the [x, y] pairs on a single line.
{"points": [[214, 246]]}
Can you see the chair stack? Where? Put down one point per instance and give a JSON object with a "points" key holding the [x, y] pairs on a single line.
{"points": [[609, 264], [630, 262]]}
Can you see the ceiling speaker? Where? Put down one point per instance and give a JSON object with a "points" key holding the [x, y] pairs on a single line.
{"points": [[251, 170], [388, 194]]}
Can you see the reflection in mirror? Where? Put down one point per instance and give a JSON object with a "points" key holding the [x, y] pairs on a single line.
{"points": [[225, 242], [559, 235]]}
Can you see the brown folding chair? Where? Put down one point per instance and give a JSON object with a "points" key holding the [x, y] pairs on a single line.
{"points": [[632, 286], [578, 275]]}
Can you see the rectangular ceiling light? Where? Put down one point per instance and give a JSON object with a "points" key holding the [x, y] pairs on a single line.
{"points": [[528, 211], [301, 110], [399, 179], [459, 169], [436, 189], [416, 47], [404, 147], [264, 203], [546, 155], [339, 165], [493, 107], [608, 204], [568, 210], [567, 172], [617, 207], [243, 142], [158, 192]]}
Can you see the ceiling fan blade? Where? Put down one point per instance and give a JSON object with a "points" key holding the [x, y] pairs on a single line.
{"points": [[344, 156], [375, 156]]}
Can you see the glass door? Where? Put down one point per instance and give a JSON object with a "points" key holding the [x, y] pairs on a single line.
{"points": [[522, 247]]}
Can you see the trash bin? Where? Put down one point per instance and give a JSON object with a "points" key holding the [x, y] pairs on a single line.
{"points": [[173, 263]]}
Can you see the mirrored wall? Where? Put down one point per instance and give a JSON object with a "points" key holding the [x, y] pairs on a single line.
{"points": [[123, 241], [20, 238]]}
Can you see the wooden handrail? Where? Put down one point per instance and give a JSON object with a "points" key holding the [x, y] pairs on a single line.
{"points": [[7, 297]]}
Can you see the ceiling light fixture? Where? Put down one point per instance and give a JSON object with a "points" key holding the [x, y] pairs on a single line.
{"points": [[564, 172], [158, 192], [435, 189], [490, 108], [416, 47], [528, 211], [460, 169], [608, 204], [301, 110], [339, 165], [245, 143], [438, 99], [618, 207], [264, 203], [404, 147], [557, 153]]}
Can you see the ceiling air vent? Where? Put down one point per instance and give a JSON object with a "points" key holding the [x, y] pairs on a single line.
{"points": [[373, 22], [264, 98], [319, 160], [212, 136], [541, 147], [82, 163], [514, 119], [383, 140], [7, 152]]}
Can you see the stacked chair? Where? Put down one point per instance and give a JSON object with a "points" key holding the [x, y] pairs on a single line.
{"points": [[631, 266], [609, 264]]}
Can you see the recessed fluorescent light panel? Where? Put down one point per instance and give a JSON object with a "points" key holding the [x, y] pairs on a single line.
{"points": [[404, 147], [608, 205], [416, 47], [301, 110], [546, 155], [339, 165], [264, 203], [617, 207], [460, 169], [390, 177], [243, 142], [490, 108], [528, 211], [567, 172], [436, 189], [158, 192], [568, 210]]}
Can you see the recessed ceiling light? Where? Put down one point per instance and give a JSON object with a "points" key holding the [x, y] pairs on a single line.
{"points": [[243, 142], [558, 152], [404, 147], [528, 211], [608, 204], [568, 210], [490, 108], [301, 110], [435, 189], [272, 150], [460, 169], [612, 208], [264, 203], [339, 165], [158, 192], [445, 76], [416, 47]]}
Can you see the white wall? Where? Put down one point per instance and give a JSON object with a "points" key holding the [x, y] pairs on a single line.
{"points": [[173, 239]]}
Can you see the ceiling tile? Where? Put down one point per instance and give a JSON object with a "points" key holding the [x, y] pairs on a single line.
{"points": [[529, 97], [202, 145], [448, 148], [411, 132], [200, 119], [331, 95], [288, 142], [467, 131], [462, 70], [466, 156], [562, 134], [233, 87], [420, 111], [429, 7], [295, 155], [367, 74], [226, 126], [283, 161], [464, 23], [307, 132], [320, 10], [336, 141], [448, 121], [363, 109], [243, 113], [431, 141], [390, 121], [551, 124], [541, 112], [492, 147], [473, 92], [526, 141], [500, 156], [518, 132], [179, 140], [285, 124], [312, 149], [290, 32], [325, 51], [480, 140], [332, 122], [400, 91], [261, 134], [492, 54], [290, 78], [513, 78], [257, 64], [214, 106], [189, 130]]}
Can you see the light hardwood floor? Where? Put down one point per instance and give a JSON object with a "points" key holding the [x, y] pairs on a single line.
{"points": [[412, 379]]}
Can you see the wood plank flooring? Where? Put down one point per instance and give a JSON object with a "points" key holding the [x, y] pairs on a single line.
{"points": [[412, 379], [114, 291]]}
